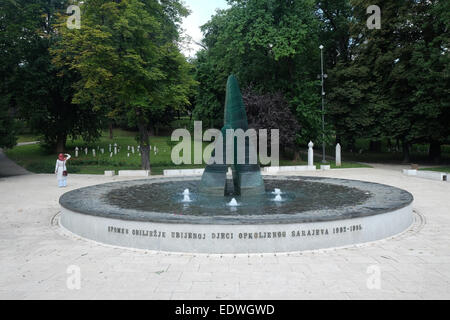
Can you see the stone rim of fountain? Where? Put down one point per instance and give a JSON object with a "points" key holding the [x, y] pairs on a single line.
{"points": [[89, 201]]}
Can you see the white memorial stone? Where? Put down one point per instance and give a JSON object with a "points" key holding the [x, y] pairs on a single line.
{"points": [[410, 172], [310, 154], [338, 155], [432, 175], [93, 153], [76, 152], [134, 173]]}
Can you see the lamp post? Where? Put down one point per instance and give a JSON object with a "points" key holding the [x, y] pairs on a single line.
{"points": [[323, 108]]}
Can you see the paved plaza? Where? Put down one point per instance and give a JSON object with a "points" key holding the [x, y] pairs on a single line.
{"points": [[37, 258]]}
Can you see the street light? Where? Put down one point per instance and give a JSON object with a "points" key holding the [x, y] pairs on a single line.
{"points": [[323, 108]]}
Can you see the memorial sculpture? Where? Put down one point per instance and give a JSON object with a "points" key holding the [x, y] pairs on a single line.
{"points": [[245, 214], [247, 178]]}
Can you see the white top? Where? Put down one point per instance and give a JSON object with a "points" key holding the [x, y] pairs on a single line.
{"points": [[60, 167]]}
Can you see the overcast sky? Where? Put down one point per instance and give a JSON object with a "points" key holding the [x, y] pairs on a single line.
{"points": [[201, 12]]}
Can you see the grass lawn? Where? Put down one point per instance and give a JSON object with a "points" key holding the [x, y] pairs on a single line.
{"points": [[418, 153], [27, 138], [35, 159], [439, 169]]}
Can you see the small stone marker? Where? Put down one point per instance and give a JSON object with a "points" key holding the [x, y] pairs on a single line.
{"points": [[310, 154], [110, 147], [111, 155], [115, 148], [110, 173], [93, 153], [85, 151], [132, 149], [128, 154], [102, 150], [338, 155], [76, 152]]}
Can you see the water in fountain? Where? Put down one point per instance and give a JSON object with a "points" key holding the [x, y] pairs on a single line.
{"points": [[233, 203], [278, 198], [276, 191], [186, 197]]}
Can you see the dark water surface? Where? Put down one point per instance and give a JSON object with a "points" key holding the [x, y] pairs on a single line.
{"points": [[298, 196]]}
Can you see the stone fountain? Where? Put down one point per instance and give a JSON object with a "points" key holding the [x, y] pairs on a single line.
{"points": [[247, 214]]}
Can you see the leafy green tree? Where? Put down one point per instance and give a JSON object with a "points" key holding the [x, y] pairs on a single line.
{"points": [[31, 85], [128, 60], [271, 45], [394, 81], [8, 62]]}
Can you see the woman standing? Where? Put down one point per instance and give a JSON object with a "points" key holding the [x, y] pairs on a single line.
{"points": [[61, 170]]}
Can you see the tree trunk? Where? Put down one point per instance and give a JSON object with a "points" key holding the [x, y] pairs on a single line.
{"points": [[389, 144], [144, 141], [434, 154], [61, 143], [375, 146], [296, 156], [351, 145], [110, 130], [405, 146]]}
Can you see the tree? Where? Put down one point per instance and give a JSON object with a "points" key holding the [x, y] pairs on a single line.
{"points": [[394, 80], [127, 56], [31, 87], [270, 45], [267, 111], [8, 62]]}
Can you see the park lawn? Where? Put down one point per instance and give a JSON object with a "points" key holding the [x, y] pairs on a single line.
{"points": [[317, 163], [35, 159], [418, 153], [27, 138], [438, 169]]}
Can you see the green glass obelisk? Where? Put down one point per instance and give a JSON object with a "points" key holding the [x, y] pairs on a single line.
{"points": [[247, 179]]}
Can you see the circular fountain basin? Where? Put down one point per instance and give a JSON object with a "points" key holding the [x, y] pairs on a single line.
{"points": [[309, 213]]}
